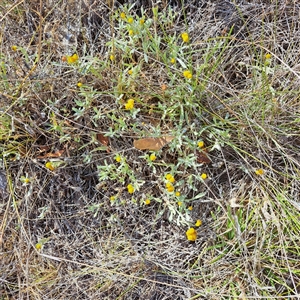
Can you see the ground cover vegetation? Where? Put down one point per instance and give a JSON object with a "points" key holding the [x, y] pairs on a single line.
{"points": [[149, 151]]}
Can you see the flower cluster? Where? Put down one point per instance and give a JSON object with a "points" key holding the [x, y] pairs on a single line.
{"points": [[118, 158], [130, 188], [173, 60], [268, 56], [170, 178], [50, 166], [129, 105], [123, 16], [169, 186], [198, 223], [152, 157], [185, 37], [203, 176], [72, 59], [191, 234], [259, 172], [200, 144], [187, 74]]}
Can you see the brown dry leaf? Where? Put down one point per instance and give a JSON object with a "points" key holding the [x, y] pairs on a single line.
{"points": [[202, 157], [153, 144], [55, 154], [164, 87], [102, 139]]}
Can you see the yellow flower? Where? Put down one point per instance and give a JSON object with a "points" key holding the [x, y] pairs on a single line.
{"points": [[203, 176], [268, 56], [130, 72], [14, 48], [147, 201], [177, 194], [142, 21], [49, 166], [118, 158], [152, 157], [79, 84], [173, 60], [179, 203], [38, 246], [168, 184], [131, 32], [198, 223], [130, 104], [72, 59], [112, 198], [130, 188], [185, 37], [112, 57], [25, 180], [170, 178], [187, 74], [190, 207], [259, 172], [191, 234], [201, 144], [122, 15], [130, 20], [170, 188]]}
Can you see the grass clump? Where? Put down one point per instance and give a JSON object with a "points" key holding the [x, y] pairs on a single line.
{"points": [[149, 152]]}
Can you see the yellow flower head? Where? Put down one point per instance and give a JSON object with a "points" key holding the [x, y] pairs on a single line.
{"points": [[130, 104], [79, 84], [168, 184], [190, 207], [203, 176], [198, 223], [170, 188], [185, 37], [49, 166], [130, 72], [130, 32], [179, 203], [259, 172], [130, 188], [112, 57], [173, 60], [152, 157], [112, 198], [201, 144], [72, 59], [147, 201], [187, 74], [14, 48], [191, 234], [122, 15], [25, 180], [130, 20], [268, 56], [170, 178], [142, 21], [118, 158], [177, 194], [38, 246]]}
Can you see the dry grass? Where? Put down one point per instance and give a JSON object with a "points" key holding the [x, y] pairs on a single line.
{"points": [[62, 234]]}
